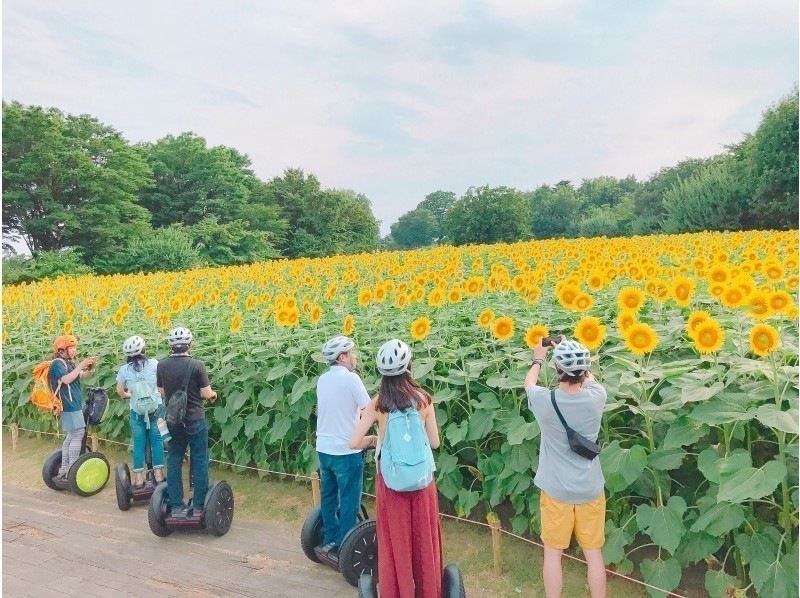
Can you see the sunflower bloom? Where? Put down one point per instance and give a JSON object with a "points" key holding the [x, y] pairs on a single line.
{"points": [[454, 296], [315, 315], [349, 325], [773, 271], [503, 328], [625, 319], [236, 323], [709, 336], [682, 290], [583, 302], [590, 332], [474, 286], [732, 297], [420, 328], [764, 339], [67, 328], [640, 339], [630, 298], [695, 319], [534, 334], [567, 295], [779, 300], [485, 318], [436, 298], [759, 305], [364, 297]]}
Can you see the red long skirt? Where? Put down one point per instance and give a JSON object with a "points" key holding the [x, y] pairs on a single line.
{"points": [[409, 542]]}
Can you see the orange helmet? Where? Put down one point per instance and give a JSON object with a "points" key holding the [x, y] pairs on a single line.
{"points": [[64, 341]]}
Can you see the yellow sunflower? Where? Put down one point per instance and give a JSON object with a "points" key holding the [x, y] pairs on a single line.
{"points": [[595, 281], [474, 286], [590, 331], [732, 297], [758, 301], [695, 319], [454, 296], [349, 325], [773, 271], [503, 328], [682, 290], [67, 328], [567, 295], [583, 302], [625, 319], [420, 328], [436, 298], [236, 323], [630, 298], [485, 318], [316, 315], [779, 300], [364, 297], [640, 338], [764, 339], [535, 333], [709, 336]]}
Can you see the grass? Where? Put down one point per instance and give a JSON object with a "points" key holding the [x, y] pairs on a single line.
{"points": [[469, 546]]}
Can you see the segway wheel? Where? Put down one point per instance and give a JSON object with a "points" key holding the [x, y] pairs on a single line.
{"points": [[122, 483], [218, 509], [367, 588], [453, 583], [157, 511], [311, 533], [89, 474], [359, 552], [50, 469]]}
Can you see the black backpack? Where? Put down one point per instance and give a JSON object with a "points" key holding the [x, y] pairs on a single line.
{"points": [[96, 403], [177, 401]]}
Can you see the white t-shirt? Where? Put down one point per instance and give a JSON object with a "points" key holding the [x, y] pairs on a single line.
{"points": [[340, 396]]}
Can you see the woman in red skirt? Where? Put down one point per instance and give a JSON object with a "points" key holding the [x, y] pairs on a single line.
{"points": [[409, 532]]}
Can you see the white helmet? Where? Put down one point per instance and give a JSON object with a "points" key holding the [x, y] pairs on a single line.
{"points": [[335, 347], [179, 336], [393, 359], [571, 357], [133, 345]]}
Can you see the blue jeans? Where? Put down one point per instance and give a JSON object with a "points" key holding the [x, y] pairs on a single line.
{"points": [[341, 477], [194, 434], [141, 435]]}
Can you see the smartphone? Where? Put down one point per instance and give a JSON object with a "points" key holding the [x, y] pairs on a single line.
{"points": [[551, 341]]}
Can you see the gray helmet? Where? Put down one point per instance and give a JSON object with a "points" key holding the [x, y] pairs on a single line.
{"points": [[179, 336], [571, 357], [335, 347], [393, 358], [133, 345]]}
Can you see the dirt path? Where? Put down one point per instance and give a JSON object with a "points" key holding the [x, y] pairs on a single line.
{"points": [[57, 544]]}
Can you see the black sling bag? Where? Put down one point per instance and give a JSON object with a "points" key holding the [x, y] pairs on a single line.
{"points": [[578, 443]]}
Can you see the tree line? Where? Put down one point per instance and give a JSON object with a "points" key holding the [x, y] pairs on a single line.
{"points": [[753, 184], [81, 198]]}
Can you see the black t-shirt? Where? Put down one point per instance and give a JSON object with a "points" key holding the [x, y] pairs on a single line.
{"points": [[170, 374]]}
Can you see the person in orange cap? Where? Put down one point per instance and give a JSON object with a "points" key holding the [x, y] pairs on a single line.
{"points": [[65, 380]]}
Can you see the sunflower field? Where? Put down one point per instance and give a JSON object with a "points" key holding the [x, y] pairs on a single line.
{"points": [[695, 337]]}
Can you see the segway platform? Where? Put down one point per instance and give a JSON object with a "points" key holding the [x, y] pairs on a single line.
{"points": [[217, 512]]}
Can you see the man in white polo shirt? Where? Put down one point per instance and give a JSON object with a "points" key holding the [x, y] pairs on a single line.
{"points": [[341, 396]]}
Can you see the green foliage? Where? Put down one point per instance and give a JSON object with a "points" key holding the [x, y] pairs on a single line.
{"points": [[192, 181], [230, 243], [169, 249], [555, 212], [608, 220], [437, 203], [70, 181], [416, 228], [487, 215], [713, 199], [46, 264]]}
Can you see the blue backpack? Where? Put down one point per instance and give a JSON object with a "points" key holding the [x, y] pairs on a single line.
{"points": [[406, 457]]}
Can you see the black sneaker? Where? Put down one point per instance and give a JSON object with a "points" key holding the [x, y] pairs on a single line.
{"points": [[328, 553], [180, 513]]}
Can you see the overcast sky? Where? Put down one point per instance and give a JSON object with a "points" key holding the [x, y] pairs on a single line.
{"points": [[399, 99]]}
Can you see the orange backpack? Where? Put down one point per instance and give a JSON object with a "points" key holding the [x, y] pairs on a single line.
{"points": [[44, 397]]}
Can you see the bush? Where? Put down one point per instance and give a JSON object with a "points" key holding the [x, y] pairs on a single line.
{"points": [[166, 249]]}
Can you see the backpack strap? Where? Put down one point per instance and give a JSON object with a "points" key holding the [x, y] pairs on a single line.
{"points": [[60, 384], [558, 411], [187, 377]]}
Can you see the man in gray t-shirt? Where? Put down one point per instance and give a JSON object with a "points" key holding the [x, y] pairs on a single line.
{"points": [[572, 498]]}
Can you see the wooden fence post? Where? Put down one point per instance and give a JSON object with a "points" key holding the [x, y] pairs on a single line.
{"points": [[95, 442], [14, 436], [315, 492], [494, 524]]}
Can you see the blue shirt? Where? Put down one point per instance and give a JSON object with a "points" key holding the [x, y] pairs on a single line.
{"points": [[127, 375], [70, 395]]}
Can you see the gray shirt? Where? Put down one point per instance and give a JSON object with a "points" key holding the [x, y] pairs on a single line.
{"points": [[563, 474]]}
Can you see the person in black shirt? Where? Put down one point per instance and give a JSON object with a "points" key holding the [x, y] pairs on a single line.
{"points": [[193, 432]]}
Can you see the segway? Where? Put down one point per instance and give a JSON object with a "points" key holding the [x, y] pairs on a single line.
{"points": [[217, 511], [90, 472], [358, 553], [452, 584], [127, 493]]}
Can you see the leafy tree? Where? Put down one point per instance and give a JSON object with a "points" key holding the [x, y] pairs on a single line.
{"points": [[262, 213], [608, 221], [169, 249], [648, 201], [192, 181], [555, 212], [769, 161], [487, 215], [70, 181], [221, 244], [713, 199], [416, 228], [437, 203], [606, 190]]}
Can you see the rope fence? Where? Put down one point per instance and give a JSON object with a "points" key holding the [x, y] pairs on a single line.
{"points": [[493, 522]]}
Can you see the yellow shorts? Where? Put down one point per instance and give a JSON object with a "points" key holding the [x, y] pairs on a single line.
{"points": [[560, 520]]}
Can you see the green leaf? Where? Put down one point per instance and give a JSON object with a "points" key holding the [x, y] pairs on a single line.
{"points": [[446, 463], [711, 465], [751, 483], [301, 386], [616, 541], [280, 370], [663, 524], [519, 431], [480, 424], [719, 519], [445, 394], [253, 423], [231, 429], [666, 459], [622, 466], [761, 546], [696, 546], [682, 432], [235, 401], [456, 433], [664, 574], [696, 394], [785, 421], [279, 430], [777, 578], [522, 457], [721, 411], [422, 368], [268, 397], [720, 585]]}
